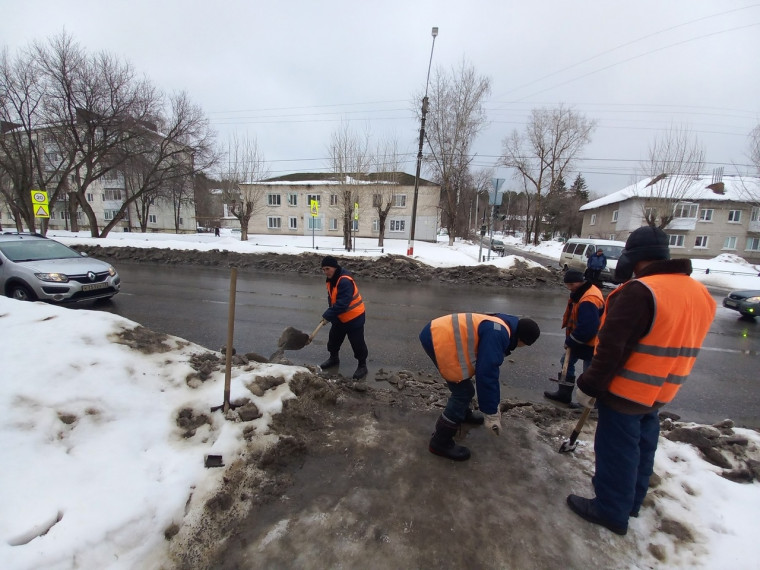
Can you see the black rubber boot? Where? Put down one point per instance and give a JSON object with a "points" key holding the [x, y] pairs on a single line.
{"points": [[442, 442], [474, 418], [564, 393], [361, 371], [330, 362]]}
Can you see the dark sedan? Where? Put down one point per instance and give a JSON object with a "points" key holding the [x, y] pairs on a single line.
{"points": [[747, 303]]}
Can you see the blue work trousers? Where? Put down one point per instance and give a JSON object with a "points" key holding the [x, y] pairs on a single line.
{"points": [[624, 446]]}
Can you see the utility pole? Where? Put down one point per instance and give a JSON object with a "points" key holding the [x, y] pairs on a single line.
{"points": [[410, 247]]}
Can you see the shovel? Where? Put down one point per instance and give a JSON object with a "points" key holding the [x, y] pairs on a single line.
{"points": [[293, 339], [572, 443], [563, 375]]}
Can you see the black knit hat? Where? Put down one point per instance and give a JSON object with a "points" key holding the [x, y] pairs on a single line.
{"points": [[647, 244], [573, 276], [527, 331], [329, 261]]}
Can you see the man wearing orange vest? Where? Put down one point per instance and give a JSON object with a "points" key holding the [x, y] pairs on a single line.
{"points": [[346, 313], [463, 345], [581, 323], [651, 333]]}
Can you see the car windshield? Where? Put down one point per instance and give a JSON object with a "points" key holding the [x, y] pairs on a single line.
{"points": [[36, 250], [612, 251]]}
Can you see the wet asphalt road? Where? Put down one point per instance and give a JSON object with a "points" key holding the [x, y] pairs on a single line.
{"points": [[193, 303]]}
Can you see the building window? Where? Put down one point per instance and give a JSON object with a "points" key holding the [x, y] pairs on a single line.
{"points": [[112, 194], [615, 216], [685, 210], [376, 225], [333, 224], [377, 200], [315, 223], [292, 199], [701, 241], [273, 199], [399, 200], [108, 215], [650, 213], [735, 216], [753, 244], [274, 222], [675, 240], [611, 237], [151, 218], [754, 215], [333, 199], [593, 220], [313, 197], [180, 222], [397, 226], [293, 223], [729, 243], [706, 215], [90, 197]]}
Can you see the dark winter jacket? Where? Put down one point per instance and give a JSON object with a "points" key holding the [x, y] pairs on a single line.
{"points": [[342, 301], [597, 262], [494, 344], [629, 317]]}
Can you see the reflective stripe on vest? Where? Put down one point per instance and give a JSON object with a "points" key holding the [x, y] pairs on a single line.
{"points": [[662, 360], [570, 318], [455, 342], [355, 308]]}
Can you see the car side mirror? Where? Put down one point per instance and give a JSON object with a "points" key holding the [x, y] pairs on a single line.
{"points": [[83, 254]]}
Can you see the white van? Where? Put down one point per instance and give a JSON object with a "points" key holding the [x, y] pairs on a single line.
{"points": [[576, 252]]}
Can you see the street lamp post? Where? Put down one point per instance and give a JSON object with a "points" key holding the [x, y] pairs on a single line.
{"points": [[410, 248]]}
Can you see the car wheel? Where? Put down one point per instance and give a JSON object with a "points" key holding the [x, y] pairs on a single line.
{"points": [[21, 293]]}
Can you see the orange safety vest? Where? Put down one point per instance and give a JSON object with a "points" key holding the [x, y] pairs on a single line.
{"points": [[662, 360], [455, 342], [570, 318], [355, 308]]}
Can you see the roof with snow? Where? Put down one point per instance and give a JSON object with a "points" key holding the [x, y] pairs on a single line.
{"points": [[729, 189], [330, 178]]}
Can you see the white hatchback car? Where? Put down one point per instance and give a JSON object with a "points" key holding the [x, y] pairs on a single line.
{"points": [[33, 267]]}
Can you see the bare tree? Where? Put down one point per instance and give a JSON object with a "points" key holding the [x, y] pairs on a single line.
{"points": [[351, 161], [754, 148], [674, 159], [456, 116], [388, 171], [545, 152], [245, 166]]}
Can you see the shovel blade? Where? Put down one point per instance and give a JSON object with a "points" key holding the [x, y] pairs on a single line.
{"points": [[567, 446], [293, 339]]}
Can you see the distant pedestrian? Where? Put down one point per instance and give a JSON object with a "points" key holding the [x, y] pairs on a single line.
{"points": [[595, 264], [217, 233], [652, 330], [346, 313], [463, 345]]}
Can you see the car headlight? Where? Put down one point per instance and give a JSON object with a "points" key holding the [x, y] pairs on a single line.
{"points": [[111, 271], [52, 277], [752, 299]]}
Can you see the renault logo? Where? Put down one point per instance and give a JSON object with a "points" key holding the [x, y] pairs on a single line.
{"points": [[91, 276]]}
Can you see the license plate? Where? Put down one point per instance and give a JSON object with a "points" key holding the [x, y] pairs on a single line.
{"points": [[729, 303], [93, 286]]}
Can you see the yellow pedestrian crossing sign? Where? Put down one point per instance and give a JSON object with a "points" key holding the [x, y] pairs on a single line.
{"points": [[40, 204], [314, 205]]}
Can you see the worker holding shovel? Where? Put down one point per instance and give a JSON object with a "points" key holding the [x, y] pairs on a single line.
{"points": [[581, 323], [346, 314], [652, 329]]}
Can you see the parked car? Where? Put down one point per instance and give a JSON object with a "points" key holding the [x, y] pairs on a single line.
{"points": [[496, 245], [576, 252], [746, 303], [33, 267]]}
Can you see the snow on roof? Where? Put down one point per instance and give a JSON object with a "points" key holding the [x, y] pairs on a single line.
{"points": [[731, 188]]}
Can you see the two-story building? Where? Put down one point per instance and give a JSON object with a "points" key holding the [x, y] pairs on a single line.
{"points": [[709, 217], [288, 205]]}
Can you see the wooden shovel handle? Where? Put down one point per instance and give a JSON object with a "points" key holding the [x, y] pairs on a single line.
{"points": [[322, 323]]}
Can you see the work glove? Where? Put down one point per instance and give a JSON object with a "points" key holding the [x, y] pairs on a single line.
{"points": [[493, 423], [584, 399]]}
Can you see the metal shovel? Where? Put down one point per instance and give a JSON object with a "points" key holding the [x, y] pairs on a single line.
{"points": [[293, 339], [572, 443]]}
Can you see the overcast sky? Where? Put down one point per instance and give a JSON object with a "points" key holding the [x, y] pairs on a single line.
{"points": [[289, 72]]}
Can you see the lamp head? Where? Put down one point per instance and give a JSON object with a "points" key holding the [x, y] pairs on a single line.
{"points": [[435, 32]]}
